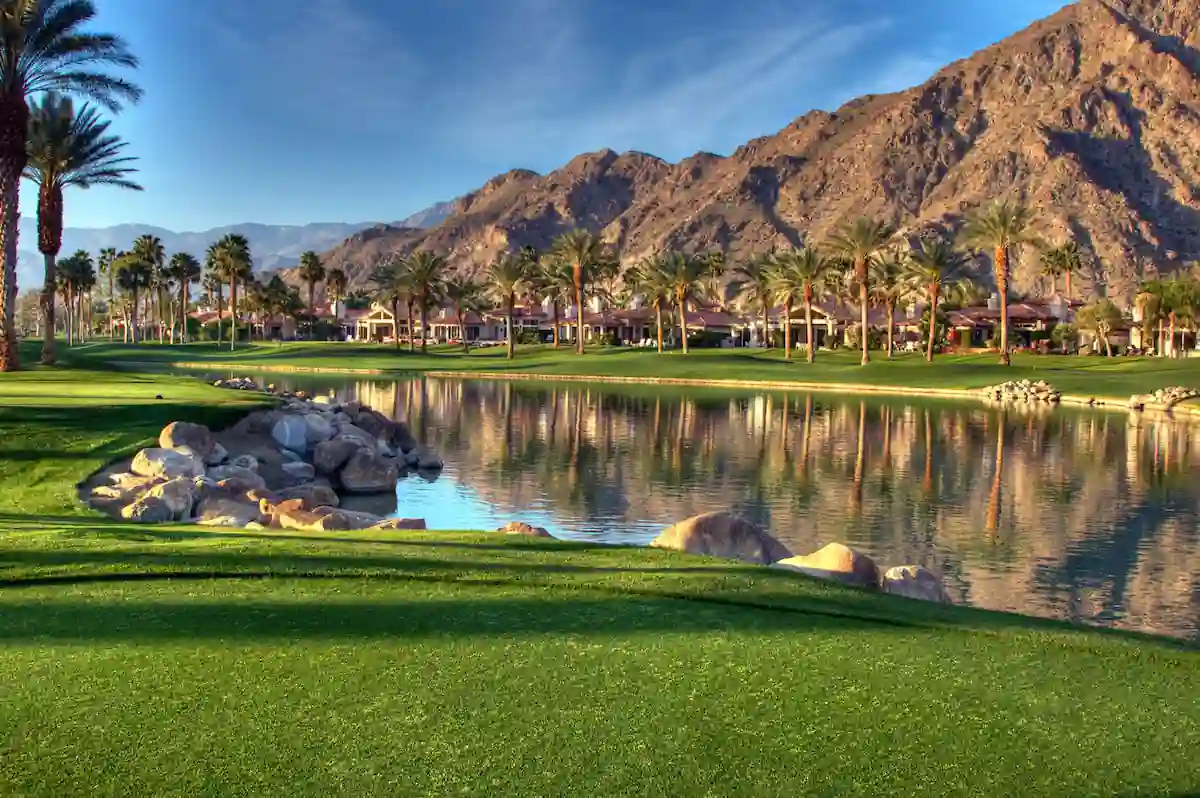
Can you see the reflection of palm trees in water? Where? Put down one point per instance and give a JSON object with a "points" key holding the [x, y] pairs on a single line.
{"points": [[860, 458], [806, 440], [927, 480], [993, 508]]}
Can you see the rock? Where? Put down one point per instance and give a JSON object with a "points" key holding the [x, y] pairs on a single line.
{"points": [[722, 534], [374, 424], [411, 458], [147, 510], [109, 492], [260, 422], [914, 582], [367, 472], [178, 494], [401, 523], [352, 407], [427, 459], [345, 520], [254, 525], [318, 428], [196, 437], [242, 475], [226, 511], [384, 448], [291, 432], [288, 456], [329, 456], [837, 562], [299, 471], [292, 515], [310, 495], [351, 432], [167, 463], [217, 456], [518, 528], [246, 461], [401, 438], [326, 401]]}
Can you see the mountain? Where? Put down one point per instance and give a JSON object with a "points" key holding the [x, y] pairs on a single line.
{"points": [[274, 246], [1092, 114]]}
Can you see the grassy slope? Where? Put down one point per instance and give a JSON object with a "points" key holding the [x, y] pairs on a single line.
{"points": [[427, 663], [1091, 376]]}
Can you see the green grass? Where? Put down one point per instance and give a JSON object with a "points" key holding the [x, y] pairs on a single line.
{"points": [[1112, 378], [172, 661]]}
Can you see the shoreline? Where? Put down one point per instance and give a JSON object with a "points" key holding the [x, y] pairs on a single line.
{"points": [[1101, 403]]}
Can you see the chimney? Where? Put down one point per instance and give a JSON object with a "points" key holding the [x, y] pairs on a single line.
{"points": [[994, 302]]}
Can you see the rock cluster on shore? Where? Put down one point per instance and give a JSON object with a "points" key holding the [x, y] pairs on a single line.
{"points": [[1165, 398], [1023, 391], [730, 536], [282, 468]]}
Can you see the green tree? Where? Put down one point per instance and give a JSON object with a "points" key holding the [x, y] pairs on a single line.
{"points": [[67, 148], [798, 275], [133, 277], [508, 277], [335, 286], [214, 282], [463, 294], [235, 265], [931, 265], [311, 271], [859, 243], [649, 277], [183, 270], [585, 253], [888, 287], [44, 47], [1100, 318], [684, 274], [150, 249], [426, 272], [390, 281], [1002, 228], [751, 284], [105, 263]]}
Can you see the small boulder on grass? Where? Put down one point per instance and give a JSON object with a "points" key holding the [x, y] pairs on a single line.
{"points": [[526, 530], [836, 562], [915, 582], [196, 437], [722, 534], [168, 463]]}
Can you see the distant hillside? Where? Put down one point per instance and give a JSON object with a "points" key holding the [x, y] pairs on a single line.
{"points": [[1092, 114]]}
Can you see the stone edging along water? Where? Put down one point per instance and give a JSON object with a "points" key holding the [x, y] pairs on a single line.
{"points": [[1099, 402]]}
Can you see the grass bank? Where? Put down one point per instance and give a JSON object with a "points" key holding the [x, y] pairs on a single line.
{"points": [[175, 661], [1112, 379]]}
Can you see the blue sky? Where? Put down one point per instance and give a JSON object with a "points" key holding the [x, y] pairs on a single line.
{"points": [[296, 111]]}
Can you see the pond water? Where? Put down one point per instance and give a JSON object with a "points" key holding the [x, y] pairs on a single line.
{"points": [[1088, 516]]}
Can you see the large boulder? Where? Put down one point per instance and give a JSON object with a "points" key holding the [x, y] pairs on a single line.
{"points": [[915, 582], [302, 472], [318, 428], [357, 434], [311, 495], [217, 456], [529, 531], [291, 432], [401, 438], [401, 523], [179, 495], [260, 422], [196, 437], [428, 459], [329, 456], [242, 478], [247, 461], [228, 510], [374, 423], [722, 534], [345, 520], [837, 562], [147, 510], [167, 463], [367, 472]]}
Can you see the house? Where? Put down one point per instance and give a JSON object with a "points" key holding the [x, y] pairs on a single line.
{"points": [[378, 324]]}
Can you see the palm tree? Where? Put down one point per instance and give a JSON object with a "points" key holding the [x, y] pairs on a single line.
{"points": [[85, 282], [463, 293], [715, 270], [214, 281], [150, 249], [105, 263], [1052, 266], [799, 274], [649, 277], [585, 253], [390, 280], [1002, 227], [133, 277], [859, 242], [235, 265], [683, 274], [931, 265], [889, 287], [556, 283], [425, 272], [508, 277], [67, 149], [312, 272], [335, 286], [751, 284], [183, 270], [1070, 260], [44, 48], [65, 282]]}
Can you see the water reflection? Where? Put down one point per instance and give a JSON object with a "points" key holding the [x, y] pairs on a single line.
{"points": [[1087, 516]]}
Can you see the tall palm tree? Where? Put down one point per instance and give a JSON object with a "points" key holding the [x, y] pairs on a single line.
{"points": [[508, 277], [888, 287], [1070, 260], [463, 294], [1002, 227], [799, 274], [214, 281], [105, 263], [649, 277], [133, 277], [1052, 266], [65, 283], [426, 273], [44, 47], [85, 282], [860, 242], [67, 148], [335, 286], [931, 265], [716, 268], [751, 284], [311, 271], [684, 274], [235, 265], [183, 270], [150, 249], [390, 281], [555, 282], [585, 253]]}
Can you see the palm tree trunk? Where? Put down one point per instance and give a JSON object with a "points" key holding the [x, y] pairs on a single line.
{"points": [[112, 304], [766, 320], [577, 275], [680, 305], [133, 318], [1161, 343], [861, 270], [220, 313], [412, 340], [1107, 346], [811, 355], [424, 324], [934, 290], [509, 323], [396, 324], [312, 310], [14, 120], [233, 319], [787, 329], [554, 310], [891, 322], [659, 321], [183, 303], [49, 342], [1171, 344], [462, 329], [1068, 286], [1002, 287]]}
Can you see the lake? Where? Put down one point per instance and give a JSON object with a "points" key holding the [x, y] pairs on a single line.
{"points": [[1088, 516]]}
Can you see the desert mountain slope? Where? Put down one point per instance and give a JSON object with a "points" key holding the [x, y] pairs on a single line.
{"points": [[1093, 114]]}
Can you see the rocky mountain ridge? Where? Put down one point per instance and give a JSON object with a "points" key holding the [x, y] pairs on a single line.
{"points": [[1092, 115]]}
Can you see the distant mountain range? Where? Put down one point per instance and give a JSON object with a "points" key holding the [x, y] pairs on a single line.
{"points": [[274, 246]]}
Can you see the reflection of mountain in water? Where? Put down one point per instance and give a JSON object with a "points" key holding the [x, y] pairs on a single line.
{"points": [[1085, 516]]}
